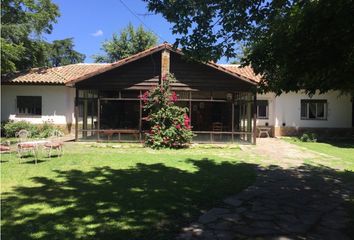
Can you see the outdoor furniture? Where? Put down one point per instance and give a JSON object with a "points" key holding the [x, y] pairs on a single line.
{"points": [[5, 147], [264, 130], [54, 143], [30, 146], [217, 127], [110, 132], [23, 146]]}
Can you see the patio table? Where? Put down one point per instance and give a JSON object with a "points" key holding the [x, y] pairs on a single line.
{"points": [[36, 145], [264, 130]]}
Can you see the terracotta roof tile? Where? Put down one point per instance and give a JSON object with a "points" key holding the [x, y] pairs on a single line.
{"points": [[70, 74], [244, 71], [55, 75]]}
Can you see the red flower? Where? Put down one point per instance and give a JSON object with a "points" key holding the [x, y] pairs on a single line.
{"points": [[186, 121], [173, 97], [178, 126], [145, 96]]}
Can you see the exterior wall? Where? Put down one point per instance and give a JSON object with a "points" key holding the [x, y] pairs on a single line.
{"points": [[57, 103], [285, 119], [271, 109]]}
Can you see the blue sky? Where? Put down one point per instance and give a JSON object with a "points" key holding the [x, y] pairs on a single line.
{"points": [[91, 22]]}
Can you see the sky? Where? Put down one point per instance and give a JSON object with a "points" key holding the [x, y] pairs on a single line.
{"points": [[90, 22]]}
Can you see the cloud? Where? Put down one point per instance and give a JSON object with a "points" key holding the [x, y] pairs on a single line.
{"points": [[97, 33]]}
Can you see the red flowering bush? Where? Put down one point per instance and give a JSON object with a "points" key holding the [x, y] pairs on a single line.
{"points": [[169, 124]]}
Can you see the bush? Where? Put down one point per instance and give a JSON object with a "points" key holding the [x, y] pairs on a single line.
{"points": [[44, 130], [11, 128], [308, 137], [169, 124]]}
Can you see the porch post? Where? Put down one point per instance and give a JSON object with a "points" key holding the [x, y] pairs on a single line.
{"points": [[165, 63], [76, 114], [98, 117], [254, 118]]}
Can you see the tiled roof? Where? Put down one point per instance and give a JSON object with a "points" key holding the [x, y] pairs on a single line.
{"points": [[244, 71], [151, 51], [55, 75], [70, 74]]}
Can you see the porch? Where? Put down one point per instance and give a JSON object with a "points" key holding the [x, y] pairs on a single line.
{"points": [[220, 103], [216, 116]]}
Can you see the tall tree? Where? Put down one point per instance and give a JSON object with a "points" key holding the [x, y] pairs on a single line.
{"points": [[127, 43], [294, 45], [23, 21], [61, 52]]}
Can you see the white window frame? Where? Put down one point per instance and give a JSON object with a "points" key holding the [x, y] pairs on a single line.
{"points": [[317, 102], [267, 110], [24, 111]]}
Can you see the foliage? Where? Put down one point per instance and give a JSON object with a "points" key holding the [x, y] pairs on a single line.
{"points": [[170, 124], [308, 137], [294, 45], [61, 52], [11, 128], [127, 43], [37, 130], [22, 22]]}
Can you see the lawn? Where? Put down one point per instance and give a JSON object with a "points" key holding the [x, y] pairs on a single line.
{"points": [[336, 153], [104, 191]]}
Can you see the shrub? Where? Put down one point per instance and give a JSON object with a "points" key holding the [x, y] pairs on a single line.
{"points": [[308, 137], [11, 128], [169, 124], [43, 130], [46, 129]]}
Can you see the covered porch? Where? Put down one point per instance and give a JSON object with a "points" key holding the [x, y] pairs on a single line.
{"points": [[220, 103]]}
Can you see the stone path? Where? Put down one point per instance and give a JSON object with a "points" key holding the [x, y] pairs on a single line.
{"points": [[279, 152], [296, 203]]}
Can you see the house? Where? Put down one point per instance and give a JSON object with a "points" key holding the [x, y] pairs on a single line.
{"points": [[101, 101]]}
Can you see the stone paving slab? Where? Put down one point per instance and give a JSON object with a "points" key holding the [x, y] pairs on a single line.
{"points": [[292, 205]]}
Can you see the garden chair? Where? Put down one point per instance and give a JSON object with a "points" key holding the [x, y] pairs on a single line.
{"points": [[54, 143], [5, 147], [218, 128], [22, 145]]}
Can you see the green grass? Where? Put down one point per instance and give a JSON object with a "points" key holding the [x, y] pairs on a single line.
{"points": [[336, 153], [110, 191]]}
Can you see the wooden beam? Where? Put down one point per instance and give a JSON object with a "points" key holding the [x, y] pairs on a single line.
{"points": [[165, 63], [254, 118], [76, 114]]}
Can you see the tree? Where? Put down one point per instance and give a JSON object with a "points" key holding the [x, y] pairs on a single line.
{"points": [[294, 45], [170, 124], [61, 52], [129, 42], [22, 23]]}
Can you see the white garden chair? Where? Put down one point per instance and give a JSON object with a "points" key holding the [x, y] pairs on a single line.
{"points": [[23, 146], [55, 143]]}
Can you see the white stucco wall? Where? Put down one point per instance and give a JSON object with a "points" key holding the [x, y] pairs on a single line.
{"points": [[270, 97], [57, 103], [288, 106]]}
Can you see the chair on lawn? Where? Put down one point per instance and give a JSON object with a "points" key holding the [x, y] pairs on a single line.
{"points": [[54, 143], [22, 145], [5, 147]]}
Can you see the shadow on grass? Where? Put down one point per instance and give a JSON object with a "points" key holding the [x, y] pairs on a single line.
{"points": [[147, 201], [339, 142], [144, 202]]}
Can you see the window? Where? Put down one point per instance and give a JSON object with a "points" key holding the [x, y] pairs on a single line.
{"points": [[29, 105], [314, 109], [262, 109]]}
